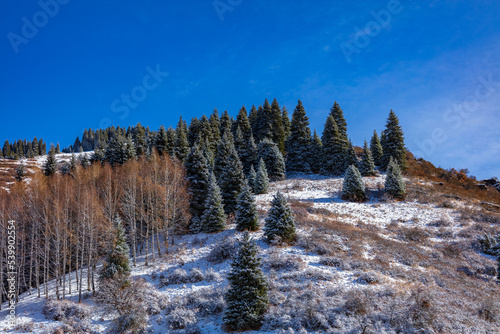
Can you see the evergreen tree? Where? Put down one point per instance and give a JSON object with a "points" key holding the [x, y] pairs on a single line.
{"points": [[181, 146], [215, 125], [199, 179], [261, 183], [278, 133], [119, 150], [246, 211], [393, 144], [58, 149], [280, 225], [244, 124], [248, 154], [35, 147], [367, 166], [205, 134], [193, 131], [394, 183], [6, 149], [139, 138], [20, 172], [264, 122], [50, 166], [84, 160], [229, 172], [316, 153], [76, 145], [246, 298], [117, 263], [252, 177], [353, 188], [226, 124], [171, 135], [376, 149], [252, 118], [214, 218], [72, 164], [42, 147], [338, 115], [299, 143], [334, 149], [286, 123], [275, 164], [350, 158], [161, 141]]}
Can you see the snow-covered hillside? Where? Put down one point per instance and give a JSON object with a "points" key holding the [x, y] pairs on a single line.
{"points": [[381, 266]]}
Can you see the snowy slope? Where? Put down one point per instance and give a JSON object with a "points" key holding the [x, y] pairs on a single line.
{"points": [[304, 273]]}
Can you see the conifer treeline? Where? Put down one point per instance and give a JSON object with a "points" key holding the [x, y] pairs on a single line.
{"points": [[265, 132], [63, 220], [24, 149]]}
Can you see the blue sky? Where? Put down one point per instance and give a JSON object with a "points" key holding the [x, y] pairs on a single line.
{"points": [[435, 63]]}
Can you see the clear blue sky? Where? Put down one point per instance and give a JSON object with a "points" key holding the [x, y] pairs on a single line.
{"points": [[435, 63]]}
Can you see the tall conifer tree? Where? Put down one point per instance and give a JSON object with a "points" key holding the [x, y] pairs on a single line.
{"points": [[376, 149], [299, 143], [393, 144]]}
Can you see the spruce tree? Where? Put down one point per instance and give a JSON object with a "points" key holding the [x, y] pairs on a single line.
{"points": [[58, 149], [338, 115], [181, 145], [249, 154], [246, 298], [394, 183], [334, 148], [244, 124], [171, 135], [117, 263], [316, 153], [246, 211], [252, 118], [20, 172], [193, 131], [84, 160], [278, 133], [215, 125], [367, 166], [264, 122], [376, 149], [286, 123], [351, 157], [6, 149], [139, 138], [42, 147], [214, 218], [161, 141], [229, 172], [198, 175], [353, 188], [299, 143], [226, 124], [393, 144], [206, 135], [280, 225], [34, 146], [252, 177], [261, 183], [275, 164], [50, 166]]}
